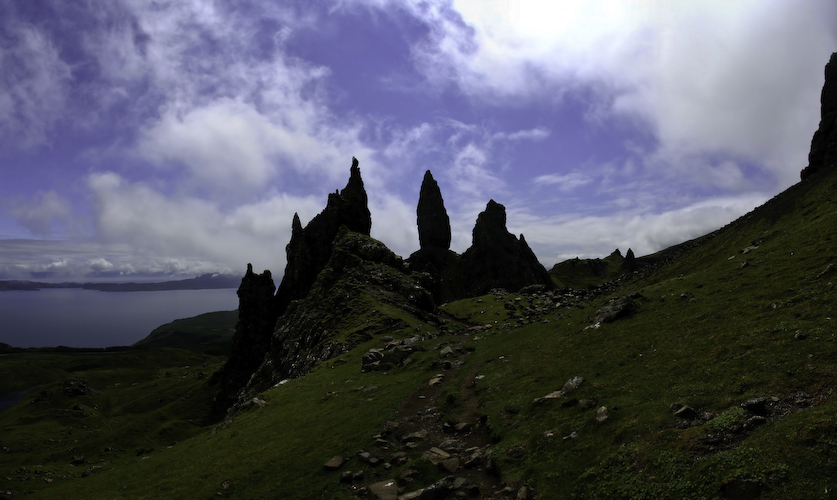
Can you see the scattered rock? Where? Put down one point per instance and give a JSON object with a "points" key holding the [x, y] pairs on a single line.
{"points": [[335, 463], [516, 452], [76, 387], [522, 493], [618, 308], [601, 414], [686, 413], [385, 490], [756, 406], [451, 464]]}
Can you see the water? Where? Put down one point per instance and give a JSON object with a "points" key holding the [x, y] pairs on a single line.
{"points": [[88, 318], [7, 399]]}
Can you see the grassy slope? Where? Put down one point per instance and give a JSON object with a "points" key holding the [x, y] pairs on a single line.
{"points": [[210, 333], [734, 341], [585, 273]]}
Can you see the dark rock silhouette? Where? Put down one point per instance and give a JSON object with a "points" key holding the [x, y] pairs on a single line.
{"points": [[497, 259], [362, 274], [256, 320], [432, 218], [434, 258], [823, 153], [310, 248], [630, 263]]}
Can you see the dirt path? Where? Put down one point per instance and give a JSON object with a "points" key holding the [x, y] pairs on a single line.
{"points": [[419, 437]]}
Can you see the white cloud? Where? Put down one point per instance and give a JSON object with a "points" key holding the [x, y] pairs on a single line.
{"points": [[564, 182], [535, 134], [34, 87], [192, 231], [712, 78], [46, 214], [570, 235]]}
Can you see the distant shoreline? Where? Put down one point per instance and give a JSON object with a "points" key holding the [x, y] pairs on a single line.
{"points": [[204, 282]]}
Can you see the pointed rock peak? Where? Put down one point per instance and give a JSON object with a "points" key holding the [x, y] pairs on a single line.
{"points": [[296, 226], [494, 215], [616, 253], [823, 153], [630, 261], [432, 218], [354, 188]]}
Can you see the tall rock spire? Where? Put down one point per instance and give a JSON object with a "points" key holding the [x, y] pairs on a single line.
{"points": [[310, 247], [433, 220], [823, 153]]}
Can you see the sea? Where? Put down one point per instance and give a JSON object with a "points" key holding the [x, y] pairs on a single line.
{"points": [[90, 318]]}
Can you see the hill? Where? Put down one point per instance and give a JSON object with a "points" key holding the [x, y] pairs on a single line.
{"points": [[209, 333]]}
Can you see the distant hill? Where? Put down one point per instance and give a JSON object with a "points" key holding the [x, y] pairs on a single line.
{"points": [[203, 282], [208, 333]]}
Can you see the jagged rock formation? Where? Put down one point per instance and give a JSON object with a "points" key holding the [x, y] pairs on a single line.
{"points": [[342, 309], [823, 153], [310, 248], [337, 278], [256, 320], [497, 259], [432, 218]]}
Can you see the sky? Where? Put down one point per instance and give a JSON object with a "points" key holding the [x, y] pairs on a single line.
{"points": [[166, 139]]}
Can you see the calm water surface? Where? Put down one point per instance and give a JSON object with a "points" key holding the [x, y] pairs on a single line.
{"points": [[88, 318]]}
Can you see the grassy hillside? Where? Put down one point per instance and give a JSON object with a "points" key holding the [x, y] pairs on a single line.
{"points": [[209, 333], [739, 328], [584, 273]]}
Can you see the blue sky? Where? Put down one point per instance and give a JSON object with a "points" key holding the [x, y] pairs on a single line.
{"points": [[167, 139]]}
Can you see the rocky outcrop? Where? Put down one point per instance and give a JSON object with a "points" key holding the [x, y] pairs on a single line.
{"points": [[341, 309], [256, 320], [497, 259], [823, 153], [310, 248], [432, 218]]}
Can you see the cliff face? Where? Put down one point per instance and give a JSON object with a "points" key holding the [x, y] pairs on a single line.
{"points": [[310, 248], [823, 153], [497, 259]]}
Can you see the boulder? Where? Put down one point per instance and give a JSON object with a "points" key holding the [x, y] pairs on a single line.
{"points": [[618, 308], [384, 490]]}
